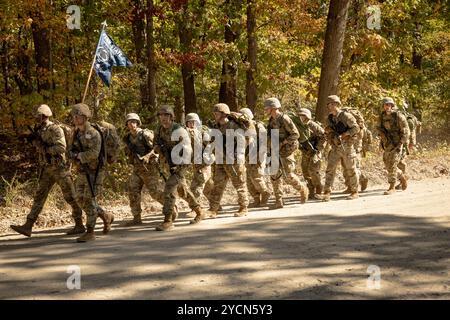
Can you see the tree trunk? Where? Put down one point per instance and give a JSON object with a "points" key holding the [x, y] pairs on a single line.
{"points": [[41, 40], [332, 55], [138, 27], [228, 84], [187, 68], [251, 94], [151, 64], [23, 74]]}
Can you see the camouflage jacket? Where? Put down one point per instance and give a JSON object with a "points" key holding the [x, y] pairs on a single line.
{"points": [[138, 145], [288, 133], [393, 129], [343, 122], [313, 136], [88, 144], [164, 145], [239, 141], [53, 147]]}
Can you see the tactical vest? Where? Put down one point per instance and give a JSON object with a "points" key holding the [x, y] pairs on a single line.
{"points": [[140, 145], [392, 128]]}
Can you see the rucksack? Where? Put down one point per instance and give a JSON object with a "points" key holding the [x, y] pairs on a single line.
{"points": [[240, 119], [109, 152], [358, 116]]}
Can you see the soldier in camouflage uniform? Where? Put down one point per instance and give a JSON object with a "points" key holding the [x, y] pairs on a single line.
{"points": [[394, 133], [341, 131], [223, 171], [359, 140], [85, 151], [51, 145], [176, 180], [201, 170], [255, 172], [288, 143], [312, 142], [414, 125], [139, 149]]}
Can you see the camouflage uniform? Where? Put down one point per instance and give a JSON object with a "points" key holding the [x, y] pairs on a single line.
{"points": [[288, 139], [342, 149], [54, 170], [201, 171], [145, 172], [412, 124], [88, 144], [224, 172], [176, 180], [255, 172], [312, 135], [362, 178], [394, 132]]}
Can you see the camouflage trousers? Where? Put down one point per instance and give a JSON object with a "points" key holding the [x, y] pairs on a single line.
{"points": [[201, 174], [148, 176], [391, 159], [209, 185], [402, 163], [51, 175], [84, 195], [255, 180], [287, 171], [311, 172], [176, 184], [345, 154], [359, 172], [223, 173]]}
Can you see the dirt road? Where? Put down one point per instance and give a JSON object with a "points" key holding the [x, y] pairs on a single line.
{"points": [[311, 251]]}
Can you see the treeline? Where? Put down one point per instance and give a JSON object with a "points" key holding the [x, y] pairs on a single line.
{"points": [[194, 53]]}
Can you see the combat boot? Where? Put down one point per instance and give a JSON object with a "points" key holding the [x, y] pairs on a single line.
{"points": [[304, 193], [167, 225], [256, 202], [243, 211], [24, 229], [264, 198], [278, 204], [108, 219], [311, 192], [318, 194], [353, 196], [199, 217], [346, 191], [88, 236], [391, 189], [137, 220], [79, 227], [364, 182], [403, 182], [211, 214], [326, 196]]}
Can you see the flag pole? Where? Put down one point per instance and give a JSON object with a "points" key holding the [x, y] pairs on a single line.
{"points": [[93, 63]]}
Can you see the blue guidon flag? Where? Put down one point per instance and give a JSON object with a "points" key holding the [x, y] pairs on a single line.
{"points": [[107, 55]]}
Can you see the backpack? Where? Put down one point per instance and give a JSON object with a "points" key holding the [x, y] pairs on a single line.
{"points": [[240, 119], [109, 152], [358, 116]]}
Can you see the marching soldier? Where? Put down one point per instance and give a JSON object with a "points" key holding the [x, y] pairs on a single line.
{"points": [[255, 172], [139, 149], [394, 133], [201, 170], [341, 131], [312, 142], [288, 142], [85, 151], [50, 142], [176, 180], [224, 171]]}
